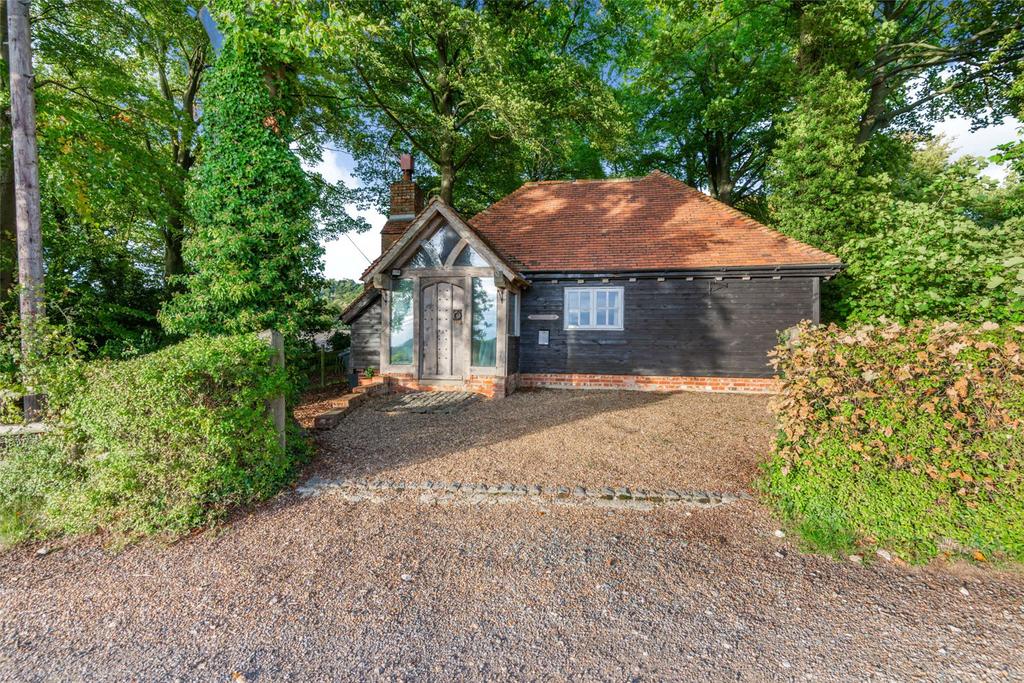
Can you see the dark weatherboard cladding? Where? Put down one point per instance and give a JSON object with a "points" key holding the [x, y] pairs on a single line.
{"points": [[366, 338], [703, 327]]}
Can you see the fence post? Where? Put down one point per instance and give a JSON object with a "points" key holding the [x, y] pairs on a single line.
{"points": [[276, 405]]}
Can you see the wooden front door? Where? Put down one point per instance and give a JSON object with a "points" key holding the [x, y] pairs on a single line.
{"points": [[442, 315]]}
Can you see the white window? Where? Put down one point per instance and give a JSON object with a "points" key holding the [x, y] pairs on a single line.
{"points": [[593, 308]]}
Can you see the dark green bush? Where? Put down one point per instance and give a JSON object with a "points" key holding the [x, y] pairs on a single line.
{"points": [[162, 443], [903, 437]]}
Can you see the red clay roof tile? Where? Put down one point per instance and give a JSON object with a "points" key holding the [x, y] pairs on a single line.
{"points": [[650, 223]]}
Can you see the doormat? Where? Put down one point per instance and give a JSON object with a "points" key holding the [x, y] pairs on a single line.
{"points": [[430, 402]]}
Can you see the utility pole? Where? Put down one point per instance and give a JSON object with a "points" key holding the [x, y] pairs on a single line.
{"points": [[8, 229], [26, 187]]}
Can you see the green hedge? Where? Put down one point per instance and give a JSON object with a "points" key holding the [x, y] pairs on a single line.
{"points": [[908, 438], [165, 442]]}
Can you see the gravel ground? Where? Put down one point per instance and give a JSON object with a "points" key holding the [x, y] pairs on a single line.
{"points": [[323, 590], [550, 437], [320, 589]]}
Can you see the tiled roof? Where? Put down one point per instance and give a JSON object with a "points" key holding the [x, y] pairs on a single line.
{"points": [[650, 223]]}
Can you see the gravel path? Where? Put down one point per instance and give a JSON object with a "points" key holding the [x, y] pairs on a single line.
{"points": [[323, 590], [548, 437]]}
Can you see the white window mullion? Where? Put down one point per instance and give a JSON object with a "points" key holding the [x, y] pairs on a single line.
{"points": [[593, 308]]}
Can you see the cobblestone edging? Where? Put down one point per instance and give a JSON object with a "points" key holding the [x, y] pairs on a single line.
{"points": [[436, 491]]}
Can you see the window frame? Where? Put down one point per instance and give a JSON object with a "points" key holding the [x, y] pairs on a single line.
{"points": [[620, 309]]}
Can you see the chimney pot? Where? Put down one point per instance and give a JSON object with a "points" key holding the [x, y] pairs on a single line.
{"points": [[406, 164]]}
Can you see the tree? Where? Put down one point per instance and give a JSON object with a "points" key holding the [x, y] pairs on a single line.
{"points": [[120, 84], [26, 185], [917, 60], [819, 195], [254, 255], [949, 243], [712, 78], [463, 84]]}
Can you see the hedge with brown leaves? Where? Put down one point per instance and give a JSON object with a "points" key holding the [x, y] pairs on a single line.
{"points": [[903, 437]]}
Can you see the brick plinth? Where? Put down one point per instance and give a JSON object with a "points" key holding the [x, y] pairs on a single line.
{"points": [[738, 385], [485, 385]]}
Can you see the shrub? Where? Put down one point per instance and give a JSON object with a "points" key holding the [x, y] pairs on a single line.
{"points": [[907, 437], [162, 443]]}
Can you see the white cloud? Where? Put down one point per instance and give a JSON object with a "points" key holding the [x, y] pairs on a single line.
{"points": [[342, 257], [980, 143]]}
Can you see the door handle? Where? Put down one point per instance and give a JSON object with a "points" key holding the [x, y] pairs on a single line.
{"points": [[457, 315]]}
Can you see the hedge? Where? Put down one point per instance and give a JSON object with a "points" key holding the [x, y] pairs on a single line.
{"points": [[166, 442], [902, 437]]}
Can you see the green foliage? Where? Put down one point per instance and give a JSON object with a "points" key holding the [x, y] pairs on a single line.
{"points": [[903, 437], [255, 257], [483, 94], [52, 364], [341, 293], [818, 193], [948, 243], [162, 443], [712, 77], [929, 263]]}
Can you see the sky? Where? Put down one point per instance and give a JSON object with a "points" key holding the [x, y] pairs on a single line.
{"points": [[342, 258]]}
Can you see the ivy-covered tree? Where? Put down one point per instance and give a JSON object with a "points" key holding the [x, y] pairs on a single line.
{"points": [[818, 192], [254, 256]]}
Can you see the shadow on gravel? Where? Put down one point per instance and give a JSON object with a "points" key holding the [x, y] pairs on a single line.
{"points": [[370, 443], [691, 441]]}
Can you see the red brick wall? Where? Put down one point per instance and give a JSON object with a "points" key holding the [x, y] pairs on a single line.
{"points": [[486, 385], [406, 197], [739, 385]]}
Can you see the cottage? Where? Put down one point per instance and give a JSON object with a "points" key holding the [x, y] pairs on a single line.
{"points": [[641, 283]]}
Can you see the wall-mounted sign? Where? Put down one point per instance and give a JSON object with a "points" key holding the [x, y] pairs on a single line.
{"points": [[543, 316], [542, 337]]}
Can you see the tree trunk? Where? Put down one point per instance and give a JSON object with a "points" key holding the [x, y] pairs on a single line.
{"points": [[718, 164], [8, 229], [447, 169], [174, 237], [174, 263], [26, 185]]}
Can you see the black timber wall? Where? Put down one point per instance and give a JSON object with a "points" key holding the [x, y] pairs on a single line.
{"points": [[703, 328], [366, 338]]}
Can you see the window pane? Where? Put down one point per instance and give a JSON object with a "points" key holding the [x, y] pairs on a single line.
{"points": [[422, 259], [513, 315], [435, 251], [443, 241], [602, 299], [602, 316], [584, 317], [485, 322], [401, 323], [470, 257], [613, 317]]}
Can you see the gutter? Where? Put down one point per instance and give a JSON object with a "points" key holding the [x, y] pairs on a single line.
{"points": [[824, 270]]}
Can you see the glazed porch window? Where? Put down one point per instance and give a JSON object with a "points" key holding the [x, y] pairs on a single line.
{"points": [[401, 323], [485, 322]]}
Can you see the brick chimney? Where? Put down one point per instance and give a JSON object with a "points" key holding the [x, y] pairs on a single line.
{"points": [[406, 202]]}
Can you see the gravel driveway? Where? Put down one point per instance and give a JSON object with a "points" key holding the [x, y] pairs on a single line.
{"points": [[322, 589], [550, 437]]}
